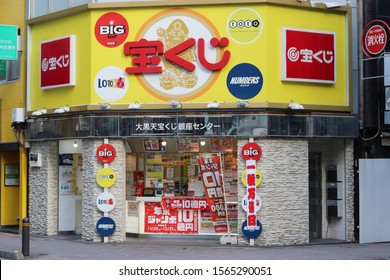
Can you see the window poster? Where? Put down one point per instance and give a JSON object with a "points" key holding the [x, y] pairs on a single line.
{"points": [[170, 172], [65, 173], [153, 145], [11, 175], [187, 144], [221, 144], [159, 220], [206, 222], [70, 168], [132, 208]]}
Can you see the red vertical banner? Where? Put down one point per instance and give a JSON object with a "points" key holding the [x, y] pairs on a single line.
{"points": [[138, 182], [251, 178], [210, 169]]}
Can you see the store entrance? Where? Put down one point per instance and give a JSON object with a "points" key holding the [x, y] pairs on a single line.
{"points": [[69, 187], [315, 207]]}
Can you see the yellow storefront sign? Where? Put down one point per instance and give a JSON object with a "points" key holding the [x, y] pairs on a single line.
{"points": [[196, 54]]}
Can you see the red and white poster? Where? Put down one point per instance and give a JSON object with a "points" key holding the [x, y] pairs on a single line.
{"points": [[308, 56], [58, 62], [159, 220], [176, 203], [153, 145], [205, 222], [210, 169]]}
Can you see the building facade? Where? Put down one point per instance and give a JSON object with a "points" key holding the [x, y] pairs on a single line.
{"points": [[13, 155], [373, 143], [192, 118]]}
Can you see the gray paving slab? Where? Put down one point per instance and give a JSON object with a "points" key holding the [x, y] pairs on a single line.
{"points": [[73, 248]]}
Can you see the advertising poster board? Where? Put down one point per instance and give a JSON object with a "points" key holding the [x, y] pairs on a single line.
{"points": [[210, 168], [158, 220]]}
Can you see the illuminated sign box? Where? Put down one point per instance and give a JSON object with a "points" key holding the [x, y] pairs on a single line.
{"points": [[308, 56], [8, 42], [57, 62], [153, 55]]}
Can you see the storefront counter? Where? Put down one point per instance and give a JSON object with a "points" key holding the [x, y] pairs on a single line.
{"points": [[145, 198], [172, 215], [135, 212]]}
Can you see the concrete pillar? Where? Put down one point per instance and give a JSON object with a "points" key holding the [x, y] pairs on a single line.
{"points": [[284, 192], [43, 183], [91, 190]]}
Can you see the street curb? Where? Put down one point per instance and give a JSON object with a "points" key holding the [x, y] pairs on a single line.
{"points": [[15, 255]]}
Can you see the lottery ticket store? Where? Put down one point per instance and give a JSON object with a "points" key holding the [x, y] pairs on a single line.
{"points": [[184, 107], [164, 190]]}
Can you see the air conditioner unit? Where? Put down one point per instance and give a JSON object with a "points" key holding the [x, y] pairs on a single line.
{"points": [[18, 115]]}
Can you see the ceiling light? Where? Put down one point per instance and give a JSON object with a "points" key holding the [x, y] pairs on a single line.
{"points": [[39, 112], [295, 106], [164, 143], [135, 105], [202, 142], [75, 145], [62, 110], [214, 104], [242, 104], [104, 106], [174, 104]]}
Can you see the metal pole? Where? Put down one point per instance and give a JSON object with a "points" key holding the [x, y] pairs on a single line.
{"points": [[26, 237]]}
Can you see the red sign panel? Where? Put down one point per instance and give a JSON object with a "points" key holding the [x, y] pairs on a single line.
{"points": [[146, 55], [106, 153], [251, 151], [159, 220], [309, 56], [57, 62], [210, 169], [375, 39], [111, 30], [194, 203]]}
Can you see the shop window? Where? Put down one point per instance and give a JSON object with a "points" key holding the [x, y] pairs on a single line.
{"points": [[10, 70], [384, 9], [174, 179], [39, 7]]}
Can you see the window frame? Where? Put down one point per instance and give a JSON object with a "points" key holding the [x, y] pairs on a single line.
{"points": [[12, 67]]}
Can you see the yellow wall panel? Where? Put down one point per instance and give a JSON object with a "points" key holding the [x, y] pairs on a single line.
{"points": [[255, 47], [78, 25]]}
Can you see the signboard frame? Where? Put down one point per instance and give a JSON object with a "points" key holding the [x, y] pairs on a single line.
{"points": [[308, 57], [68, 79], [8, 42]]}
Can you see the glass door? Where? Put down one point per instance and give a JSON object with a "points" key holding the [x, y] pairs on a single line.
{"points": [[315, 190]]}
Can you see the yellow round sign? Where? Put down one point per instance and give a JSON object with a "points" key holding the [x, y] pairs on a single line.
{"points": [[259, 177], [244, 26], [105, 177]]}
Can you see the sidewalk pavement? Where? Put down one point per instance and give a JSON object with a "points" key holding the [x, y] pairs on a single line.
{"points": [[71, 247]]}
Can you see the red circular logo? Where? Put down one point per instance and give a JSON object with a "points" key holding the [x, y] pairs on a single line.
{"points": [[375, 39], [111, 30], [106, 153], [251, 151]]}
